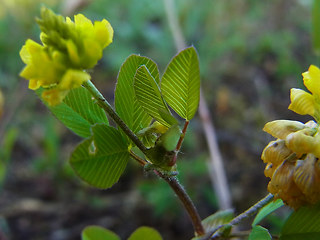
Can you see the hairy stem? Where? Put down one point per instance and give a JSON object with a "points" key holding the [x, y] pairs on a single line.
{"points": [[103, 103], [186, 201]]}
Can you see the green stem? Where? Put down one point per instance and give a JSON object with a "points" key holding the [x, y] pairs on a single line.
{"points": [[103, 103], [215, 234], [186, 201]]}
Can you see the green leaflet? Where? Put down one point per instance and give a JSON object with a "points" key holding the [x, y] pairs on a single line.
{"points": [[145, 233], [266, 210], [303, 224], [101, 159], [126, 103], [98, 233], [149, 96], [259, 233], [78, 111], [180, 84]]}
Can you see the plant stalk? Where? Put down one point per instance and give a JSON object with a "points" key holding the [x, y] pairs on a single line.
{"points": [[176, 151], [186, 201], [104, 104], [183, 134]]}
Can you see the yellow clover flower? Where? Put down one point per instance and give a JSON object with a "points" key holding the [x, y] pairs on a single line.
{"points": [[292, 162], [68, 49], [293, 159], [305, 103]]}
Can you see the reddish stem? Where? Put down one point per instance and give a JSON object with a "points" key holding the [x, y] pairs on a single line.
{"points": [[183, 134], [186, 201]]}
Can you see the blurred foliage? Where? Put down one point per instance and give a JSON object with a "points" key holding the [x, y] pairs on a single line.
{"points": [[1, 103], [251, 54]]}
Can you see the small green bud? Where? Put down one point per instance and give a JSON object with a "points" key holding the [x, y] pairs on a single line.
{"points": [[162, 153], [170, 138]]}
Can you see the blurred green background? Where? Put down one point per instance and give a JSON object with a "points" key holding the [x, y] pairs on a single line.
{"points": [[251, 54]]}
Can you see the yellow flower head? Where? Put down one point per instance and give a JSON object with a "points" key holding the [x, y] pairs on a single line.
{"points": [[292, 161], [68, 49], [305, 103]]}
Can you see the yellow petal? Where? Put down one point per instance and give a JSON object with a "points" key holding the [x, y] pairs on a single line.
{"points": [[33, 47], [24, 54], [316, 150], [83, 24], [311, 124], [275, 152], [69, 21], [282, 179], [28, 72], [269, 170], [73, 79], [92, 53], [311, 79], [307, 179], [302, 102], [54, 96], [281, 128], [34, 84], [73, 52], [283, 186], [302, 142], [30, 48], [103, 32]]}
